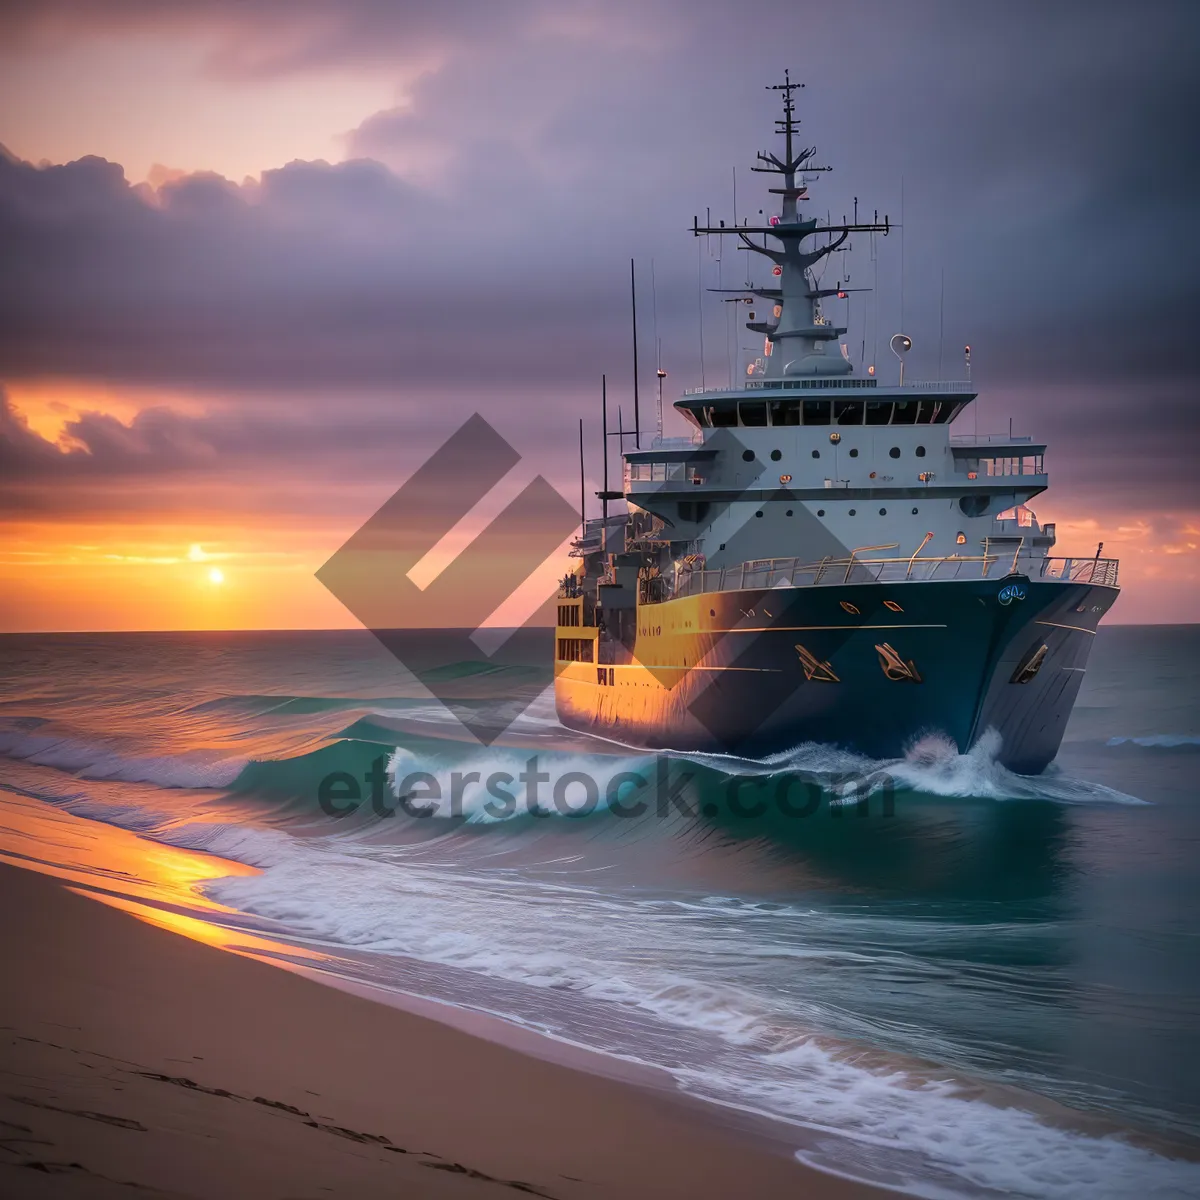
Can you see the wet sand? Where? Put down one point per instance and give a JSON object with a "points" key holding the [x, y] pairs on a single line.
{"points": [[138, 1062]]}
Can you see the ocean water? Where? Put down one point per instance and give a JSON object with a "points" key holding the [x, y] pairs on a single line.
{"points": [[932, 973]]}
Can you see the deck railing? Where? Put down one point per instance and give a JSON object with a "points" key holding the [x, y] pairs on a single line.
{"points": [[793, 572], [836, 383]]}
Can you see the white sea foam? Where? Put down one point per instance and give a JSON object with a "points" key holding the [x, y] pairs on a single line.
{"points": [[934, 767], [501, 783], [94, 760]]}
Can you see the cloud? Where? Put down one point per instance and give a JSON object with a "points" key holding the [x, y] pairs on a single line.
{"points": [[475, 244], [256, 38], [480, 231]]}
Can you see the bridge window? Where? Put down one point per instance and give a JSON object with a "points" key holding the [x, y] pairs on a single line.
{"points": [[720, 418], [816, 412], [785, 412], [879, 412], [753, 412], [905, 412], [848, 412], [1029, 464]]}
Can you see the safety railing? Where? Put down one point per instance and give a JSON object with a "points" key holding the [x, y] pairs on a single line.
{"points": [[835, 383], [1079, 570], [793, 572]]}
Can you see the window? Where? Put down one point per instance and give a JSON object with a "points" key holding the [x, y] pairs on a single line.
{"points": [[816, 412], [905, 412], [722, 418], [820, 512], [776, 455], [927, 413], [894, 452], [816, 454], [920, 451], [854, 452], [883, 512], [848, 412], [879, 412], [753, 412], [785, 412], [759, 513], [914, 512], [789, 512], [1023, 516], [575, 650], [747, 456], [853, 512]]}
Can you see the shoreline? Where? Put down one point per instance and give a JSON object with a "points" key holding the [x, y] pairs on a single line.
{"points": [[139, 1059]]}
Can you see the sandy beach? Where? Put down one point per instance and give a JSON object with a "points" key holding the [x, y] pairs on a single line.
{"points": [[140, 1062]]}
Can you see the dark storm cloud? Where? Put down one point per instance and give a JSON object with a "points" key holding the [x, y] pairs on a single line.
{"points": [[265, 37], [1043, 151]]}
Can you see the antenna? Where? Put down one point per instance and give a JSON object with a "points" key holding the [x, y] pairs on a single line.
{"points": [[654, 317], [661, 376], [637, 418], [901, 251], [604, 446], [700, 307], [582, 488]]}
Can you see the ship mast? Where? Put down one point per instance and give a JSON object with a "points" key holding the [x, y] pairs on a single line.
{"points": [[795, 345]]}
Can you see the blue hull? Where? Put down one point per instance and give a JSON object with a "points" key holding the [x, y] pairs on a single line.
{"points": [[868, 667]]}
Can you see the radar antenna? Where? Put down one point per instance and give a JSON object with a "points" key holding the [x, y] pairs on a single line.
{"points": [[797, 313]]}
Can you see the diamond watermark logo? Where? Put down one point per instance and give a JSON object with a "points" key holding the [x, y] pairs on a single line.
{"points": [[433, 630]]}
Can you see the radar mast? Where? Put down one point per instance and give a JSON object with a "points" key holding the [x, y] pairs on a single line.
{"points": [[796, 344]]}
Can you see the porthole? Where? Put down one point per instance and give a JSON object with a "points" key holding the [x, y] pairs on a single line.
{"points": [[776, 455], [920, 451], [759, 513], [894, 452], [820, 512], [747, 456], [854, 453], [914, 512], [789, 512], [816, 454], [853, 512], [883, 512]]}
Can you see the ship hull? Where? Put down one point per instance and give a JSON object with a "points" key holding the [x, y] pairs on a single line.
{"points": [[868, 667]]}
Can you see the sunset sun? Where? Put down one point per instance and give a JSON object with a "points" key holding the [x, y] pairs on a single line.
{"points": [[216, 576]]}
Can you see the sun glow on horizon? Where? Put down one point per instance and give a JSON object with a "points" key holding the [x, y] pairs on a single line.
{"points": [[216, 576]]}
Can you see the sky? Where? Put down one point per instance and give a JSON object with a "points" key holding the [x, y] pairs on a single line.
{"points": [[262, 257]]}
